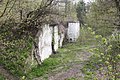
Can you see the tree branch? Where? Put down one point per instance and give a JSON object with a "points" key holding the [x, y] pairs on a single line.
{"points": [[5, 9]]}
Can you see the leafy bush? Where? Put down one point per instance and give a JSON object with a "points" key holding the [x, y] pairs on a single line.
{"points": [[1, 77], [106, 59], [14, 49], [86, 35]]}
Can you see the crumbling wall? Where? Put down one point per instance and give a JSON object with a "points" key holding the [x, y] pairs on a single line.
{"points": [[56, 38], [51, 37], [45, 43], [61, 34], [73, 32]]}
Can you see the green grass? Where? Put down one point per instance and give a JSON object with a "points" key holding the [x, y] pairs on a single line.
{"points": [[2, 77], [71, 78], [64, 56], [44, 68], [51, 63]]}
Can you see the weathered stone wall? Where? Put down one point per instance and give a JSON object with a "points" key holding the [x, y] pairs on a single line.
{"points": [[73, 31], [45, 43], [51, 37], [56, 38], [62, 32], [46, 36]]}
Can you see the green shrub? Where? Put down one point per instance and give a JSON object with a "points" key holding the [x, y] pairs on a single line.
{"points": [[86, 36], [2, 77], [106, 58], [14, 49]]}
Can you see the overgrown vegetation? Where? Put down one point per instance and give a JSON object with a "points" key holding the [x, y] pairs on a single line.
{"points": [[17, 33], [2, 77], [20, 21], [15, 49], [106, 59], [103, 17]]}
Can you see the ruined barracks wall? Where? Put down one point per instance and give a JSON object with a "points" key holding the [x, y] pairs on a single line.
{"points": [[73, 31], [44, 44], [47, 35], [50, 36], [56, 38]]}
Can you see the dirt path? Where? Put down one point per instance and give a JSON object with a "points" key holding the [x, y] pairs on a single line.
{"points": [[69, 71], [6, 74], [74, 70]]}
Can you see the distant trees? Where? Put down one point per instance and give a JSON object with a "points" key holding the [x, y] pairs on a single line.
{"points": [[104, 17], [81, 12]]}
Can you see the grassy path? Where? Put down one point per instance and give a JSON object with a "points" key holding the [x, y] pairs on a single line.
{"points": [[71, 60], [65, 65], [68, 62]]}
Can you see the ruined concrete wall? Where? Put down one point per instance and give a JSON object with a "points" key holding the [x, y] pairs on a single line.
{"points": [[45, 43], [52, 37], [61, 39], [48, 35], [56, 38], [62, 32], [49, 39], [73, 32]]}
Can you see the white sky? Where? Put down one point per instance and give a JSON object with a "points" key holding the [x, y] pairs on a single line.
{"points": [[84, 0], [87, 1]]}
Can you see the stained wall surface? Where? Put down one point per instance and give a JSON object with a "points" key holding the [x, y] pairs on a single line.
{"points": [[45, 42], [56, 38], [50, 34], [73, 32]]}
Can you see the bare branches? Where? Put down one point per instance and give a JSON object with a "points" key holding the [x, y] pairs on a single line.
{"points": [[11, 7], [5, 8], [5, 11], [34, 18], [41, 10]]}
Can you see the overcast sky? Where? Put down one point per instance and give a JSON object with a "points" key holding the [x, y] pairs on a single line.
{"points": [[87, 1], [84, 0]]}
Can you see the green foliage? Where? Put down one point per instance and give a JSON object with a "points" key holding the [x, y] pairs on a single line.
{"points": [[81, 11], [14, 59], [104, 64], [1, 77], [105, 59], [14, 49], [71, 78], [87, 36], [101, 15]]}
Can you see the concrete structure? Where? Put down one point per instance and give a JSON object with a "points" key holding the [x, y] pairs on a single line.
{"points": [[47, 43], [50, 38], [44, 44], [73, 31], [56, 38], [61, 34]]}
